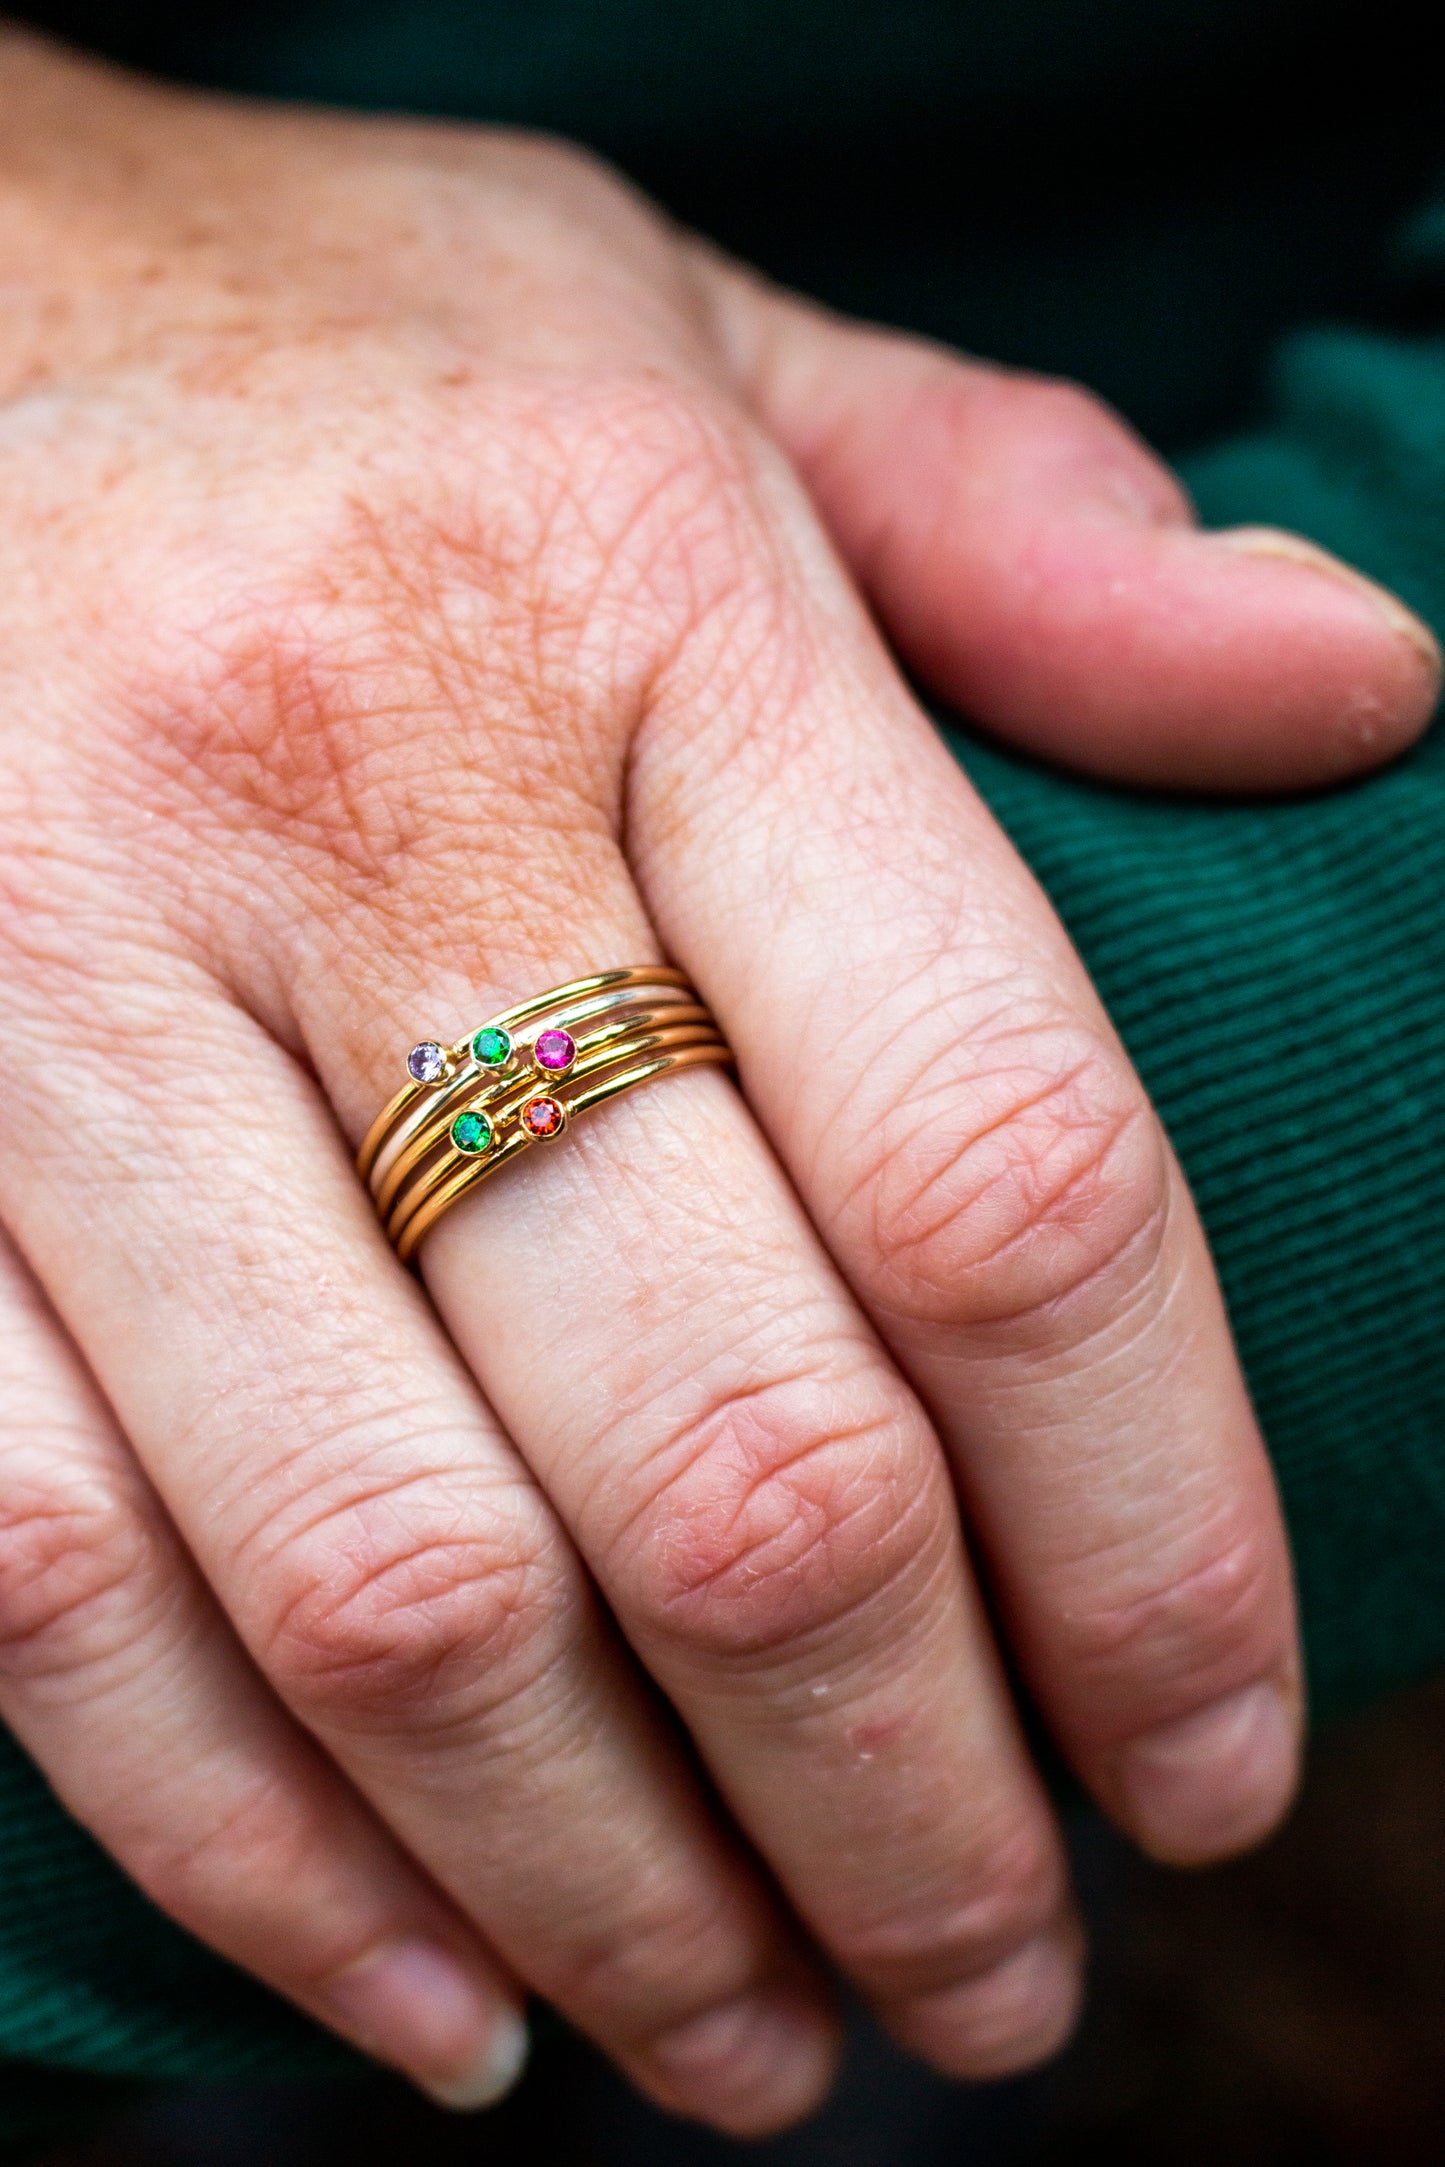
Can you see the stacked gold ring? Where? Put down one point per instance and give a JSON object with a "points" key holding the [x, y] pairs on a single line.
{"points": [[520, 1079]]}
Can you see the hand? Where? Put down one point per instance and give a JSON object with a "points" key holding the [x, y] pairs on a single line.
{"points": [[408, 600]]}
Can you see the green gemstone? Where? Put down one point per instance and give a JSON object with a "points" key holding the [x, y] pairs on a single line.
{"points": [[492, 1046], [471, 1132]]}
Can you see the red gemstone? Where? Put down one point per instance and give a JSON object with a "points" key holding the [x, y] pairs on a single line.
{"points": [[542, 1117], [555, 1050]]}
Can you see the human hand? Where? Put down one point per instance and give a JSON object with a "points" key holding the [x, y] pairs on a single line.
{"points": [[407, 604]]}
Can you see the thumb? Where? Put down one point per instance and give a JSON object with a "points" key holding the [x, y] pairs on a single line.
{"points": [[1032, 561]]}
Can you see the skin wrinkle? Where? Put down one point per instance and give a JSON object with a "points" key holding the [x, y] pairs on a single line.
{"points": [[922, 1946], [703, 1554], [1049, 1203], [412, 1411], [144, 1633], [96, 1551], [1145, 1306], [1043, 1202], [913, 1071], [810, 1531], [419, 1475], [692, 1450], [396, 1641], [253, 1848], [1197, 1641], [1011, 1382]]}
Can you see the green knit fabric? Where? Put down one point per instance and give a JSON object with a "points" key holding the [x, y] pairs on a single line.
{"points": [[1277, 971]]}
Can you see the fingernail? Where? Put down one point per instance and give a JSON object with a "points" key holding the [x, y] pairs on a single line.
{"points": [[1276, 542], [750, 2065], [1006, 2019], [494, 2072], [411, 2003], [1214, 1782]]}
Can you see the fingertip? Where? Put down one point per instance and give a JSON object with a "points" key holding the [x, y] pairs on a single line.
{"points": [[1006, 2020], [1400, 657], [1243, 660], [446, 2022], [490, 2075], [1215, 1782], [1279, 543]]}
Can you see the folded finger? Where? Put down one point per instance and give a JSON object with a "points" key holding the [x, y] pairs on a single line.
{"points": [[1042, 569]]}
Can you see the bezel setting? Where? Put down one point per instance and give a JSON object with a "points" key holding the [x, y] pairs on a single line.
{"points": [[554, 1051], [543, 1118], [471, 1132], [492, 1046], [428, 1063]]}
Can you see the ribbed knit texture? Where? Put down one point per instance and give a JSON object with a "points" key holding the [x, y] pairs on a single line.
{"points": [[1279, 975]]}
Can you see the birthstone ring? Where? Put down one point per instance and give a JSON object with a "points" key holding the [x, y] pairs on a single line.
{"points": [[520, 1079]]}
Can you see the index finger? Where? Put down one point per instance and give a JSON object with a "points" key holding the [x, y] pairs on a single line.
{"points": [[932, 1064]]}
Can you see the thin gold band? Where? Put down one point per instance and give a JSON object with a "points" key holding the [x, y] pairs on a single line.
{"points": [[715, 1052], [610, 1016], [475, 1105], [398, 1197], [646, 974]]}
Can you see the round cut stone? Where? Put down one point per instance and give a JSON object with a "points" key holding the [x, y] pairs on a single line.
{"points": [[492, 1046], [427, 1063], [471, 1132], [555, 1051], [543, 1117]]}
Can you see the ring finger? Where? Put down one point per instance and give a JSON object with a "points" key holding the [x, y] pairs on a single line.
{"points": [[757, 1492]]}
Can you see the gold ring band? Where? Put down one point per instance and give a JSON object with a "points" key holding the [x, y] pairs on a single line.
{"points": [[457, 1057], [520, 1079], [598, 1027]]}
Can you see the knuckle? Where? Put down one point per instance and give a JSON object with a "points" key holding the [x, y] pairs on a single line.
{"points": [[74, 1561], [228, 1867], [660, 529], [385, 1619], [782, 1513], [1045, 423], [1054, 408], [673, 1951], [998, 1199], [1015, 1887], [1178, 1640]]}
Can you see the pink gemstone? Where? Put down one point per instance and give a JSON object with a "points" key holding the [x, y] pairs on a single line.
{"points": [[541, 1117], [555, 1050]]}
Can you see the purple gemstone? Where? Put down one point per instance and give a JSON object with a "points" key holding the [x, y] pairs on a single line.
{"points": [[427, 1063], [555, 1050]]}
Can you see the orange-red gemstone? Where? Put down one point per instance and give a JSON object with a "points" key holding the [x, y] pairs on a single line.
{"points": [[542, 1117]]}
